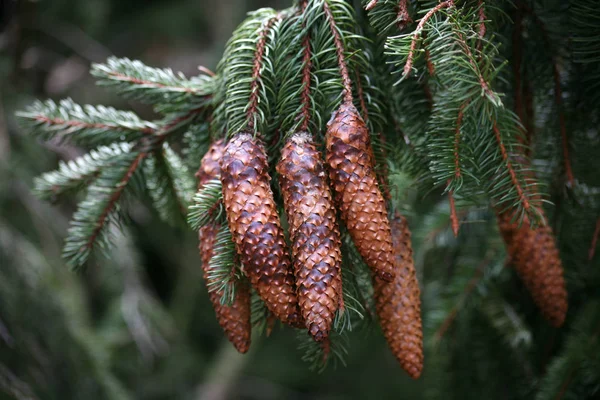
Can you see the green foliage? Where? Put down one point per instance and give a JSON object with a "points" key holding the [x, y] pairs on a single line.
{"points": [[76, 174], [170, 184], [86, 125]]}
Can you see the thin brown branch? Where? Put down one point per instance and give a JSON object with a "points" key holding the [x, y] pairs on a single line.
{"points": [[592, 250], [339, 47], [511, 170], [482, 82], [113, 200], [453, 215], [361, 97], [136, 81], [205, 70], [417, 34], [259, 54], [482, 27], [403, 18], [87, 125], [306, 77]]}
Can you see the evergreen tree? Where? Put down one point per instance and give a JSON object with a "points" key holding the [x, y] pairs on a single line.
{"points": [[477, 121]]}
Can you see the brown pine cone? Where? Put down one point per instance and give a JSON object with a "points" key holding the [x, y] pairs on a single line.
{"points": [[534, 255], [399, 306], [357, 194], [234, 319], [210, 167], [313, 231], [255, 226]]}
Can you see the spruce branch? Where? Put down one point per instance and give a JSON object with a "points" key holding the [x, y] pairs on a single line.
{"points": [[87, 125], [89, 225], [161, 87], [78, 173], [170, 184], [223, 267], [417, 33], [340, 50], [207, 205]]}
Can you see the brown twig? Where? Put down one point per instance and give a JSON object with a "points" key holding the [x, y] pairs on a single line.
{"points": [[403, 18], [453, 215], [205, 70], [258, 63], [482, 27], [86, 125], [420, 26], [459, 120], [511, 170], [339, 46], [306, 77], [113, 200], [592, 250], [126, 78]]}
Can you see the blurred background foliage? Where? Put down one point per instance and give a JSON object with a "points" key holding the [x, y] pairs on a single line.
{"points": [[139, 325]]}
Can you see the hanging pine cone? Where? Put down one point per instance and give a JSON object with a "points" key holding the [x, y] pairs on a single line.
{"points": [[362, 207], [210, 166], [313, 231], [399, 305], [255, 226], [234, 319], [534, 255]]}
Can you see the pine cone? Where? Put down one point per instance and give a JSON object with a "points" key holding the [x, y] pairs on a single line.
{"points": [[313, 231], [534, 255], [362, 207], [399, 306], [210, 167], [255, 226], [234, 319]]}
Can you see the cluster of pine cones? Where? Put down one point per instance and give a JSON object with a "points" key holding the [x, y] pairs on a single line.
{"points": [[303, 288]]}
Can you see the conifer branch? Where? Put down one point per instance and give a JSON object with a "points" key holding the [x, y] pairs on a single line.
{"points": [[513, 175], [416, 35], [306, 76], [259, 54], [339, 46], [453, 215], [89, 224], [371, 5], [482, 27], [87, 124], [78, 173], [161, 87]]}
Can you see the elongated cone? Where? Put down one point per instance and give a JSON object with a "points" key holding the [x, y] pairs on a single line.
{"points": [[255, 226], [398, 304], [357, 194], [313, 231], [234, 319], [535, 257]]}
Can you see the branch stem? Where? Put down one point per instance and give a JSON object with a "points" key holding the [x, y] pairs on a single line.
{"points": [[339, 47]]}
